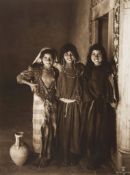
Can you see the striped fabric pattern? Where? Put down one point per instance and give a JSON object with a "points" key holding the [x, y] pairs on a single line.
{"points": [[38, 122]]}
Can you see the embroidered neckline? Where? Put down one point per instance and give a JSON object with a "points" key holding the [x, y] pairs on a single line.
{"points": [[69, 74]]}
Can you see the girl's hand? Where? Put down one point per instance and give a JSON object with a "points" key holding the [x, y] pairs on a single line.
{"points": [[58, 66], [114, 105], [33, 87]]}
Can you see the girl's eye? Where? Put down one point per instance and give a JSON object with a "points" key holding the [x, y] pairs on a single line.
{"points": [[68, 54], [45, 58]]}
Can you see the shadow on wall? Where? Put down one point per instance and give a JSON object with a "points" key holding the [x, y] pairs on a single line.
{"points": [[15, 105], [26, 27]]}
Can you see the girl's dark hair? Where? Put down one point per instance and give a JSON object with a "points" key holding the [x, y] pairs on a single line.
{"points": [[49, 51], [90, 64], [68, 47]]}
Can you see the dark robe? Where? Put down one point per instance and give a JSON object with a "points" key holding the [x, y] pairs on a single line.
{"points": [[98, 124], [69, 115]]}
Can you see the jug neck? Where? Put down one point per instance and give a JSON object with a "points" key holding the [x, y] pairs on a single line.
{"points": [[18, 139]]}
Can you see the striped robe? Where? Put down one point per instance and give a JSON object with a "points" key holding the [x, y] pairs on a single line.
{"points": [[44, 107]]}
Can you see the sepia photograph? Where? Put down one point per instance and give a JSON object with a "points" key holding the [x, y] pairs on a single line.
{"points": [[64, 87]]}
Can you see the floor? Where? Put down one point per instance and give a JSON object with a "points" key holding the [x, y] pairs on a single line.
{"points": [[15, 115]]}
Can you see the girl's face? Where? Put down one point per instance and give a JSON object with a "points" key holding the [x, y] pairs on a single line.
{"points": [[47, 60], [96, 57], [69, 57]]}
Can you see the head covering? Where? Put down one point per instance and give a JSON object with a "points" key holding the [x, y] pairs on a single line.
{"points": [[97, 46], [90, 65], [46, 50]]}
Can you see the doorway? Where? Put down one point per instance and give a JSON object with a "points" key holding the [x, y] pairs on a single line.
{"points": [[103, 31]]}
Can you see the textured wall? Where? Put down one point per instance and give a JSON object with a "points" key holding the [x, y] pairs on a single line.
{"points": [[80, 27], [123, 112], [26, 26]]}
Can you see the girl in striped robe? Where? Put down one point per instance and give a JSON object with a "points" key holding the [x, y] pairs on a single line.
{"points": [[41, 77]]}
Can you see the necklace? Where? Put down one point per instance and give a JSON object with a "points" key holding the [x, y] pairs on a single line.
{"points": [[48, 71], [70, 72]]}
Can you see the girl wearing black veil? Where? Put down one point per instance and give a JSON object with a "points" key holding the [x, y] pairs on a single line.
{"points": [[98, 124]]}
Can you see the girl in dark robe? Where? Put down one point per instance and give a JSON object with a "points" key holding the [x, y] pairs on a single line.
{"points": [[98, 124], [69, 93], [41, 77]]}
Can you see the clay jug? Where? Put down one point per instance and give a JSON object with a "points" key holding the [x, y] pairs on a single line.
{"points": [[19, 150]]}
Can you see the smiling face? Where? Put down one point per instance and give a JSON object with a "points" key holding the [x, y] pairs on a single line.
{"points": [[96, 57], [69, 57], [47, 60]]}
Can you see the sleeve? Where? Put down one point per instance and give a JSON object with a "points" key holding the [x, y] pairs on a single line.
{"points": [[26, 75], [56, 71], [80, 67], [87, 95], [58, 86], [114, 88]]}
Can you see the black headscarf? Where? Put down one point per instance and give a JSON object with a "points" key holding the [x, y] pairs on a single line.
{"points": [[90, 65]]}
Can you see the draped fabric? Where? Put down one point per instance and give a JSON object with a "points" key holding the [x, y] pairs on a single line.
{"points": [[98, 122], [69, 114], [44, 109]]}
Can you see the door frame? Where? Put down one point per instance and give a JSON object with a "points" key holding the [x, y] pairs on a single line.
{"points": [[98, 11]]}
